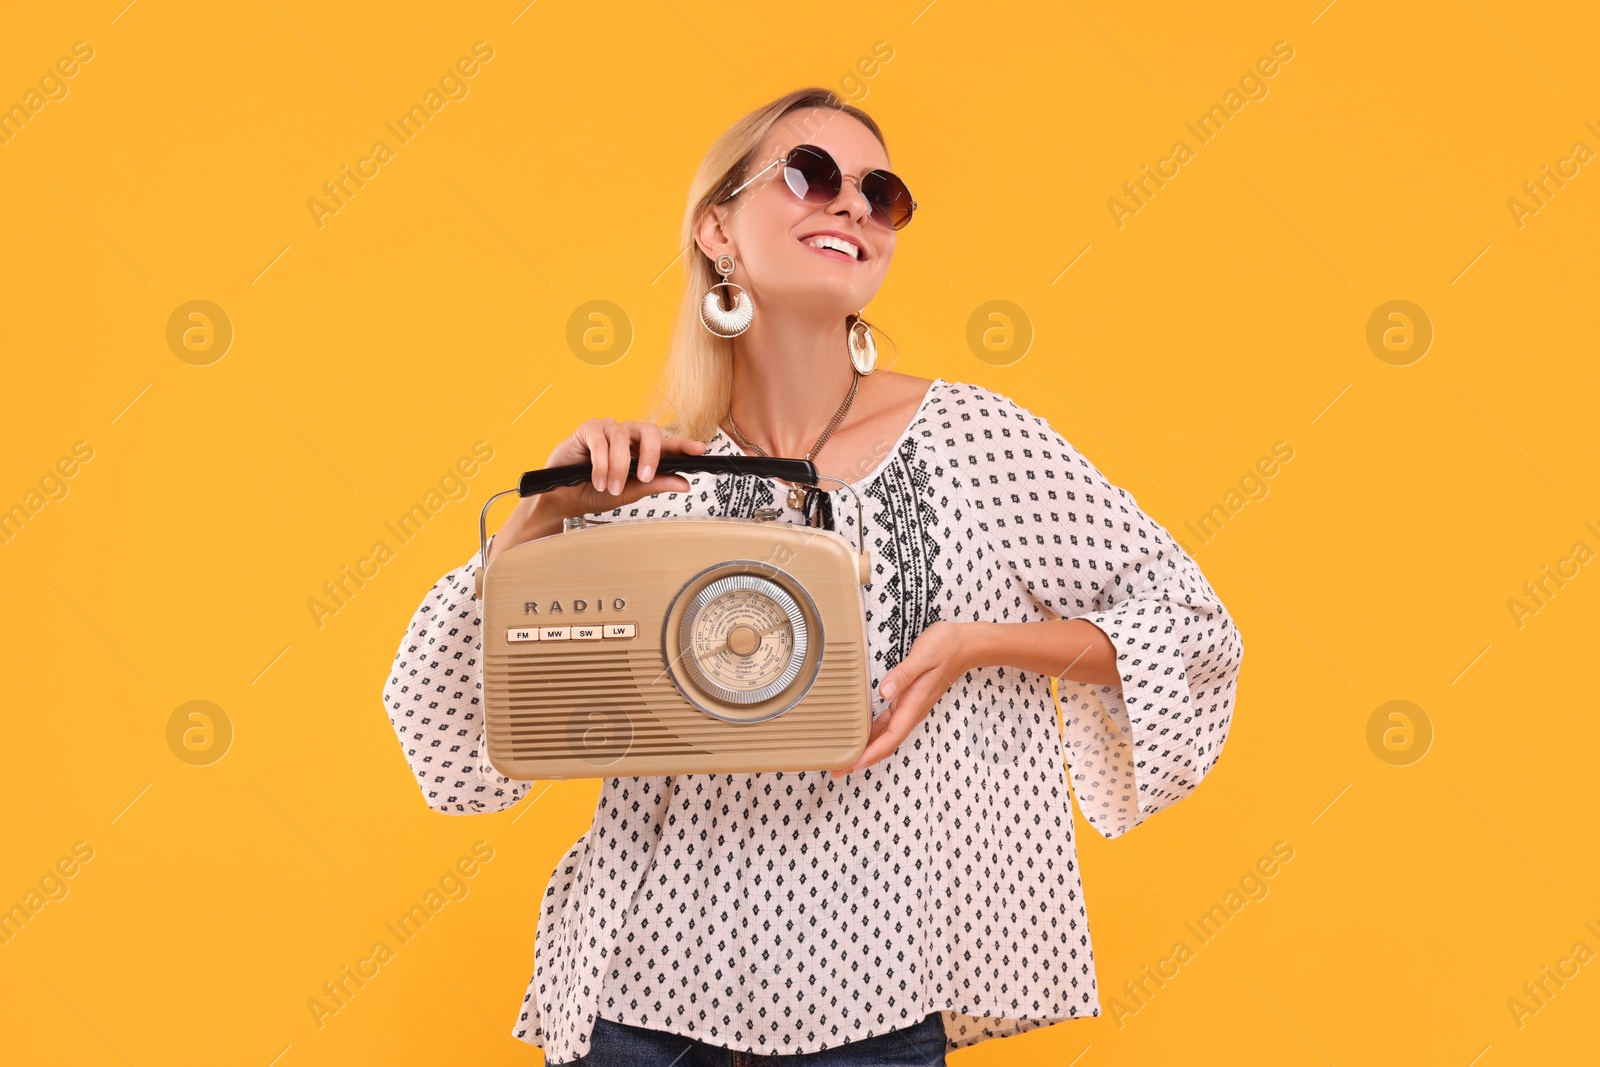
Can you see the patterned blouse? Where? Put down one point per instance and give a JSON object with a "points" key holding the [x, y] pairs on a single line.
{"points": [[784, 913]]}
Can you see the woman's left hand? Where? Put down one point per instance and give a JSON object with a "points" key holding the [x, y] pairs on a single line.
{"points": [[937, 658]]}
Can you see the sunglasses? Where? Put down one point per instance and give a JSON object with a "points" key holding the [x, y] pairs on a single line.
{"points": [[814, 177]]}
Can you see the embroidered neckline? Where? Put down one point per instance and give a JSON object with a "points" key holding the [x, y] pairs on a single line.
{"points": [[889, 453]]}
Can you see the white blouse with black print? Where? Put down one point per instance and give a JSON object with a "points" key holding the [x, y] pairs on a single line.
{"points": [[784, 913]]}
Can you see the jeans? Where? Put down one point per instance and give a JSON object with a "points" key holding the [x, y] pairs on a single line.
{"points": [[615, 1044]]}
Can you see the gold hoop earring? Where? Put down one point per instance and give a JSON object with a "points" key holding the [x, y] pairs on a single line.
{"points": [[726, 322], [863, 347]]}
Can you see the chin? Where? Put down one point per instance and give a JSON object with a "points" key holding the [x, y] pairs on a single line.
{"points": [[819, 293]]}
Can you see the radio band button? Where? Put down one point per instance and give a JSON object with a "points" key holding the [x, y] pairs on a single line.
{"points": [[573, 633]]}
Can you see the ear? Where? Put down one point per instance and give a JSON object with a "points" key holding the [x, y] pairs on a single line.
{"points": [[711, 233]]}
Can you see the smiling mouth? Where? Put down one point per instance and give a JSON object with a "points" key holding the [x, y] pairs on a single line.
{"points": [[836, 248]]}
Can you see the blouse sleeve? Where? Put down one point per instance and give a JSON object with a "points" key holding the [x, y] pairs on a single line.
{"points": [[432, 697], [1079, 547]]}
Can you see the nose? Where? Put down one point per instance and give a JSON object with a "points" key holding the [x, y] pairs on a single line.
{"points": [[851, 200]]}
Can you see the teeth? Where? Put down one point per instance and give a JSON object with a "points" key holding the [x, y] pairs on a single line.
{"points": [[836, 243]]}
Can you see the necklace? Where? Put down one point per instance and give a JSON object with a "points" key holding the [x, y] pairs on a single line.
{"points": [[805, 498]]}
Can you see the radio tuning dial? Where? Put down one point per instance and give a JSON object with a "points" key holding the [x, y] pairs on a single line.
{"points": [[742, 640]]}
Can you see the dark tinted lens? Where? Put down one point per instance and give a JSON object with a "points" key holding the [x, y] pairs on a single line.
{"points": [[812, 174], [890, 199]]}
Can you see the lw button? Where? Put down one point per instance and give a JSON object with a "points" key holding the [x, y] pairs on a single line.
{"points": [[621, 629]]}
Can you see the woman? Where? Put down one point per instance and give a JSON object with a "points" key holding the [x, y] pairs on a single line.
{"points": [[926, 897]]}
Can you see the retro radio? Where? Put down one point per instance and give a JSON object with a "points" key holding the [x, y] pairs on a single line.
{"points": [[675, 645]]}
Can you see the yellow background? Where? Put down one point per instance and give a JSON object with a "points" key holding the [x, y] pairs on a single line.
{"points": [[369, 354]]}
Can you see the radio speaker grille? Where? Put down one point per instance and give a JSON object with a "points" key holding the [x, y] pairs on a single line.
{"points": [[601, 705]]}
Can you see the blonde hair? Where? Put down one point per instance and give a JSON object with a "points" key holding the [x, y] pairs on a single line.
{"points": [[696, 377]]}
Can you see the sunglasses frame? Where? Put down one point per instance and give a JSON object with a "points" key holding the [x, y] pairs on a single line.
{"points": [[783, 160]]}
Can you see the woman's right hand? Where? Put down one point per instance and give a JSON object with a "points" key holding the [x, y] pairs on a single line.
{"points": [[608, 445]]}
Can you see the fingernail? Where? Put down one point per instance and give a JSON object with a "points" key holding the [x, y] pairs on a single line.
{"points": [[616, 487], [886, 689], [645, 472]]}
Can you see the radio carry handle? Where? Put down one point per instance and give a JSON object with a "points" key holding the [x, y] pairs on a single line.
{"points": [[532, 483]]}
